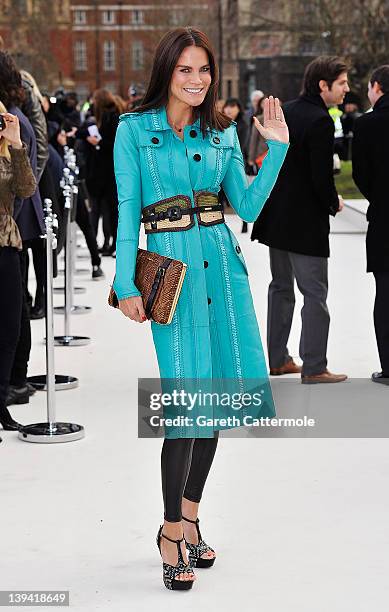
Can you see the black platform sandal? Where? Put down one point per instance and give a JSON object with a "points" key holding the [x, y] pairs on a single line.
{"points": [[171, 571], [196, 550]]}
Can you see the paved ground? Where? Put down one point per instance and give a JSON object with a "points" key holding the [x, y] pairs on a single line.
{"points": [[298, 524]]}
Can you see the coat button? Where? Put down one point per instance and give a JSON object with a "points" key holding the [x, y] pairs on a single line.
{"points": [[209, 300], [197, 157], [205, 264], [155, 140], [193, 133], [238, 249], [216, 140]]}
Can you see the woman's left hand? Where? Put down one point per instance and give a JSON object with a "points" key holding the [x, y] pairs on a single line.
{"points": [[274, 125], [12, 130]]}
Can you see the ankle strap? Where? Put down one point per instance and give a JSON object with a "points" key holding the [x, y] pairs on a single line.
{"points": [[175, 541], [190, 520]]}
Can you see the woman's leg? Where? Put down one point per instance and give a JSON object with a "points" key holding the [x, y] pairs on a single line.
{"points": [[202, 456], [175, 462], [10, 318]]}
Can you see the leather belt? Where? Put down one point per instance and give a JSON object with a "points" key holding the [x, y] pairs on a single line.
{"points": [[176, 213]]}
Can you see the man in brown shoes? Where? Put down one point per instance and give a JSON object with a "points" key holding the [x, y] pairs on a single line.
{"points": [[294, 223]]}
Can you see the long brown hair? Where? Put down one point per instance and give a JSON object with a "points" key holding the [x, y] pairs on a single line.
{"points": [[103, 102], [166, 57]]}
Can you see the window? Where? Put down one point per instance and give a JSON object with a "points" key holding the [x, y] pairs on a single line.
{"points": [[138, 17], [109, 55], [80, 57], [137, 55], [109, 17], [80, 17], [175, 17]]}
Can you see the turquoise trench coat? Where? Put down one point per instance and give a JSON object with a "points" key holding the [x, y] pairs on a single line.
{"points": [[214, 333]]}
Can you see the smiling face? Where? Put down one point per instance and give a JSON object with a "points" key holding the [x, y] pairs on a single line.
{"points": [[191, 77], [336, 93]]}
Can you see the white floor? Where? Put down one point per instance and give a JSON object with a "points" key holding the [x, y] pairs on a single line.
{"points": [[298, 524]]}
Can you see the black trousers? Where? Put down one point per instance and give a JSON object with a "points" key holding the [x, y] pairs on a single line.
{"points": [[185, 464], [10, 314], [84, 222], [381, 318], [23, 348], [37, 246], [106, 206]]}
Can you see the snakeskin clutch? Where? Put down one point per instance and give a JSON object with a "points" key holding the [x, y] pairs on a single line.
{"points": [[159, 279]]}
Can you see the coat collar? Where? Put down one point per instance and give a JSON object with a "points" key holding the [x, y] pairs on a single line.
{"points": [[382, 102], [316, 99]]}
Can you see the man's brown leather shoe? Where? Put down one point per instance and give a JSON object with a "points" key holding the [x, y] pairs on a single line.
{"points": [[290, 367], [324, 377]]}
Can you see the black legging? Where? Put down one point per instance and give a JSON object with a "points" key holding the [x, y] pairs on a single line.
{"points": [[180, 456], [11, 291]]}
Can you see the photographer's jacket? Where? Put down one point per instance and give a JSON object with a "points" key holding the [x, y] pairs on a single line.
{"points": [[214, 332]]}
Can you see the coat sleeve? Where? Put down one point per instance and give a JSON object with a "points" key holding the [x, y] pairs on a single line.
{"points": [[128, 181], [320, 141], [248, 201], [33, 110], [361, 159], [23, 179]]}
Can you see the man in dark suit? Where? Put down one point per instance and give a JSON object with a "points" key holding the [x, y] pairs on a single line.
{"points": [[370, 172], [294, 223]]}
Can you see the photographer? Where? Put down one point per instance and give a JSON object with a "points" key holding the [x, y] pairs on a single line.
{"points": [[16, 179]]}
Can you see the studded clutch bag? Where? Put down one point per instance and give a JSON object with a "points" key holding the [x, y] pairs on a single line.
{"points": [[159, 279]]}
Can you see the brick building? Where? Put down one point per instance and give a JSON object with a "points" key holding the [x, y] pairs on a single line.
{"points": [[113, 42], [38, 34]]}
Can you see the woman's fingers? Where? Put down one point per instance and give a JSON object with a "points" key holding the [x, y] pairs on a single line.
{"points": [[266, 108], [141, 312], [133, 309]]}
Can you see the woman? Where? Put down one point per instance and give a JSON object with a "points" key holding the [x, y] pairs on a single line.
{"points": [[178, 144], [233, 109], [100, 176], [16, 179], [257, 148]]}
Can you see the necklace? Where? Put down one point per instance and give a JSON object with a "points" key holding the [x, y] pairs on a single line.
{"points": [[175, 127]]}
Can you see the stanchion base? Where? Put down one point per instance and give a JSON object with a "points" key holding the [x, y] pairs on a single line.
{"points": [[73, 309], [75, 290], [50, 433], [71, 340], [62, 382]]}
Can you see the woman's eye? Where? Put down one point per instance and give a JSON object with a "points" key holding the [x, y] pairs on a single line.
{"points": [[206, 69], [185, 70]]}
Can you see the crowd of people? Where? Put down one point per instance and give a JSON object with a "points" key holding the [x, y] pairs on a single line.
{"points": [[294, 224], [45, 125]]}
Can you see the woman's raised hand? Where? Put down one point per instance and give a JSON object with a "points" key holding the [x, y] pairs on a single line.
{"points": [[132, 307], [12, 130], [274, 125]]}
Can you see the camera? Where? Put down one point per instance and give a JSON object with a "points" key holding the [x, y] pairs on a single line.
{"points": [[3, 123]]}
